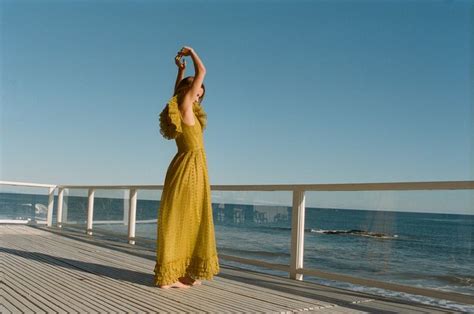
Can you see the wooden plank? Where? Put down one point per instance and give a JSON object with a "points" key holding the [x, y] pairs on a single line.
{"points": [[66, 295], [30, 264], [103, 274], [327, 293], [36, 301], [19, 301], [293, 290], [25, 282], [266, 304], [104, 289], [23, 272], [100, 290], [208, 299], [282, 299], [6, 304], [384, 306], [152, 300], [235, 302]]}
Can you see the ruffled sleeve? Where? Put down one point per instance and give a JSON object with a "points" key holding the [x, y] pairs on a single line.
{"points": [[200, 114], [170, 119]]}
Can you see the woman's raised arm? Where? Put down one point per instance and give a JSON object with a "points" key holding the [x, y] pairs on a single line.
{"points": [[181, 70], [199, 69]]}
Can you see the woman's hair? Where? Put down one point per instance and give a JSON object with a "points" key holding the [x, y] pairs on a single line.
{"points": [[185, 83]]}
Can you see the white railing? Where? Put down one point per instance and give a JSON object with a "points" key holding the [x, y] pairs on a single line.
{"points": [[295, 269], [50, 187]]}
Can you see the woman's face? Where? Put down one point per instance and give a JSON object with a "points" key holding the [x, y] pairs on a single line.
{"points": [[200, 92]]}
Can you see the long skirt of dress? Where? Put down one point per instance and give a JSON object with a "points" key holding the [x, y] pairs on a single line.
{"points": [[186, 242]]}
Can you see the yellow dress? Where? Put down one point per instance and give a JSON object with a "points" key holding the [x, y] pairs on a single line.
{"points": [[186, 242]]}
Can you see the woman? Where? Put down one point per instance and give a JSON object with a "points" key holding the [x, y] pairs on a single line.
{"points": [[186, 246]]}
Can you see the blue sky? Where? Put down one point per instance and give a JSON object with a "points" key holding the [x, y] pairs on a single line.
{"points": [[296, 91]]}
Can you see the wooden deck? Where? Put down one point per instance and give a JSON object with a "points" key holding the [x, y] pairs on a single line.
{"points": [[49, 270]]}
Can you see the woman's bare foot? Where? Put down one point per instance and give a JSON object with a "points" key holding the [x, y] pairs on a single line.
{"points": [[189, 281], [176, 284]]}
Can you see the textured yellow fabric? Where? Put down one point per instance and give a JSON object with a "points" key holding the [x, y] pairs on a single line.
{"points": [[186, 242], [170, 118]]}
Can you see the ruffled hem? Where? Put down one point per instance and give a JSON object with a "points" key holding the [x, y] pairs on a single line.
{"points": [[170, 118], [194, 267]]}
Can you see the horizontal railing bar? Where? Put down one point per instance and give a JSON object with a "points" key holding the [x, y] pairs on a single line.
{"points": [[23, 221], [382, 186], [430, 185], [40, 185], [255, 262], [113, 187], [147, 221]]}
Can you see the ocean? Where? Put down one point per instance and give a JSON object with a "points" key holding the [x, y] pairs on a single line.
{"points": [[427, 250]]}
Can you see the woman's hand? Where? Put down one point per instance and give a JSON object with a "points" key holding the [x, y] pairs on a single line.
{"points": [[186, 51], [181, 65]]}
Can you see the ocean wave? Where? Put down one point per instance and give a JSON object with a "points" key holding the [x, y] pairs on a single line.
{"points": [[460, 280], [357, 232], [450, 220]]}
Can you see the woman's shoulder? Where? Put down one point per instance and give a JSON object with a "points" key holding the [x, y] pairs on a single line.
{"points": [[170, 118]]}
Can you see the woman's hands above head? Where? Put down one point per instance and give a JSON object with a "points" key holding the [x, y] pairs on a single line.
{"points": [[186, 51], [177, 60]]}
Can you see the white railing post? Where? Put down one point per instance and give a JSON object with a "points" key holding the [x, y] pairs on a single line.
{"points": [[49, 217], [132, 216], [297, 234], [90, 211], [60, 208], [126, 205], [65, 207]]}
